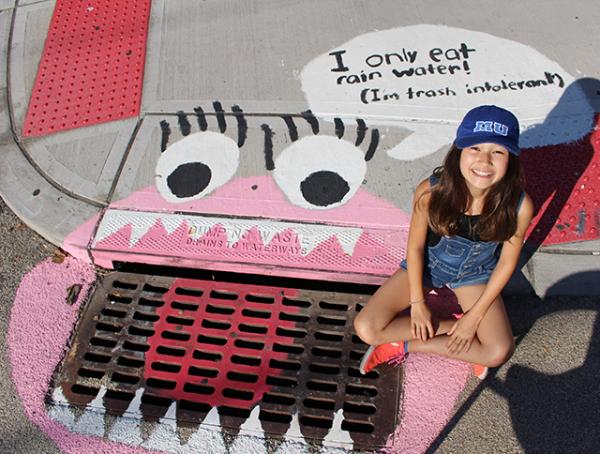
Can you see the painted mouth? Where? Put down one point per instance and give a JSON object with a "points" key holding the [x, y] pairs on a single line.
{"points": [[166, 434], [365, 236], [129, 236]]}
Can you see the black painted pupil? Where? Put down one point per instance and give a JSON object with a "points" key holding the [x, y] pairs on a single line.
{"points": [[189, 179], [324, 188]]}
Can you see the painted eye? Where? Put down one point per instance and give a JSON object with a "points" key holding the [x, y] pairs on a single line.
{"points": [[195, 166], [320, 172]]}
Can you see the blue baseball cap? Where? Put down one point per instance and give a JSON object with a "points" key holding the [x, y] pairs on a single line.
{"points": [[489, 124]]}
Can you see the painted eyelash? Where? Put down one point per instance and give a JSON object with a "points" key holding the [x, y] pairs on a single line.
{"points": [[242, 125], [185, 127], [269, 163], [361, 129]]}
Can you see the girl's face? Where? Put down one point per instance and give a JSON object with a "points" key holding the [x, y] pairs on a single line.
{"points": [[483, 165]]}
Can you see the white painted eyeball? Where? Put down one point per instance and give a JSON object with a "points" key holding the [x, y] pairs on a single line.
{"points": [[195, 166], [320, 172]]}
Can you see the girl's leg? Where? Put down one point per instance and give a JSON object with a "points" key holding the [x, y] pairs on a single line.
{"points": [[494, 341], [379, 321]]}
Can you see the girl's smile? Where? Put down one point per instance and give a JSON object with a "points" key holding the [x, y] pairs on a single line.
{"points": [[483, 165]]}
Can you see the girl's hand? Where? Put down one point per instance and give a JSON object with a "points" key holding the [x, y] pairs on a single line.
{"points": [[462, 333], [420, 321]]}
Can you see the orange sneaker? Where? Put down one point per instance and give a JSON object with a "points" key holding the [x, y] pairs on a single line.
{"points": [[393, 353], [480, 371]]}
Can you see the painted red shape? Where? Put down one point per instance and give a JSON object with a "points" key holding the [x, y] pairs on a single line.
{"points": [[92, 66], [217, 332], [564, 183]]}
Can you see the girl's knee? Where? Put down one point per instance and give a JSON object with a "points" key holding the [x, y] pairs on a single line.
{"points": [[365, 330], [501, 353]]}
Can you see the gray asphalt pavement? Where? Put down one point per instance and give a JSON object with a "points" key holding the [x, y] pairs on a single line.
{"points": [[20, 250]]}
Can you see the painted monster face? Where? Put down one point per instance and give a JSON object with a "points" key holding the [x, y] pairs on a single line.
{"points": [[313, 195], [305, 176]]}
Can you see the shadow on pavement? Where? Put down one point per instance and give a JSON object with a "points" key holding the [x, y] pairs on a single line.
{"points": [[549, 413], [551, 172], [555, 413]]}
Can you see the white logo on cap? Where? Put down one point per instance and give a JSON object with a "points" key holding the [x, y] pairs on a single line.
{"points": [[491, 126]]}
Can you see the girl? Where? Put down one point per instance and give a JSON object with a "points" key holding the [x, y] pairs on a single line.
{"points": [[467, 229]]}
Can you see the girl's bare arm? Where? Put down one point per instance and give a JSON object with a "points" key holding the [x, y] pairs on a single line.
{"points": [[417, 235]]}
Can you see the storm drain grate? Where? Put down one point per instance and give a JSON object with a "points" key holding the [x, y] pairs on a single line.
{"points": [[233, 346]]}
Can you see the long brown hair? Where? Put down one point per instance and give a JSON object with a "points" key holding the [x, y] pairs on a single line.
{"points": [[450, 198]]}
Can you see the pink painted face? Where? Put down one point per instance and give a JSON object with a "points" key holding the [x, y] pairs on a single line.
{"points": [[348, 226], [431, 384], [483, 165]]}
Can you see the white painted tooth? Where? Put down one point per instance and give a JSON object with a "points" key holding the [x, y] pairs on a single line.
{"points": [[294, 431], [294, 440], [348, 237], [60, 411], [234, 231], [165, 436], [63, 415], [309, 241], [170, 417], [58, 395], [140, 224], [172, 222], [111, 223], [126, 428], [252, 424], [92, 420], [212, 418], [251, 435], [204, 440], [134, 406], [338, 437], [292, 447], [249, 444], [267, 233]]}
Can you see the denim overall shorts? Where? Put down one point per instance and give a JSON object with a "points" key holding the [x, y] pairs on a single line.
{"points": [[456, 261]]}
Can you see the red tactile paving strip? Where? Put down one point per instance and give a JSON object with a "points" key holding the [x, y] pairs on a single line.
{"points": [[233, 346], [92, 66], [564, 183]]}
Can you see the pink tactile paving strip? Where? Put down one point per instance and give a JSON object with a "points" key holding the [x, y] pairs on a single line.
{"points": [[92, 66]]}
